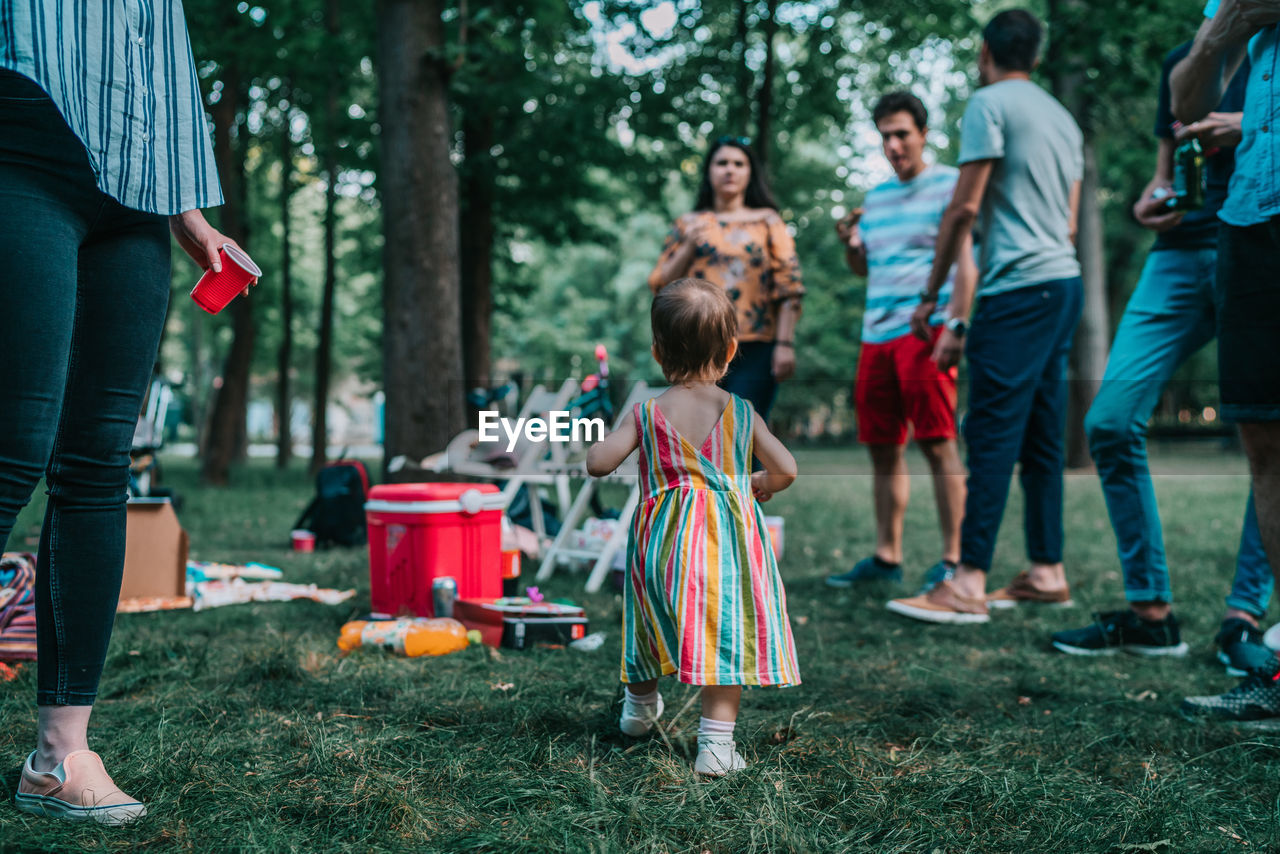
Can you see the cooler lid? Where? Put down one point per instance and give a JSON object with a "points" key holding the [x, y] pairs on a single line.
{"points": [[426, 491], [469, 498]]}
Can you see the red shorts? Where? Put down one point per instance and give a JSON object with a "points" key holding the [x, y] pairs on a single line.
{"points": [[898, 384]]}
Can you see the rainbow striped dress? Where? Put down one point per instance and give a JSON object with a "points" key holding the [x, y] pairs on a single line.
{"points": [[703, 598]]}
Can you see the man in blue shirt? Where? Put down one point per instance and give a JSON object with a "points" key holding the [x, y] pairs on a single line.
{"points": [[1248, 294], [1169, 317]]}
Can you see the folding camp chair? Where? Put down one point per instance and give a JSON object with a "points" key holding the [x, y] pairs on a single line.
{"points": [[465, 455], [561, 551], [148, 437]]}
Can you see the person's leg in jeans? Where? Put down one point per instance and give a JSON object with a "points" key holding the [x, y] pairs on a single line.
{"points": [[82, 300], [750, 376], [1251, 588], [1041, 454], [1169, 317], [1007, 353]]}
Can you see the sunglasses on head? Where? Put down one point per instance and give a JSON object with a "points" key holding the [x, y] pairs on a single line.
{"points": [[744, 141]]}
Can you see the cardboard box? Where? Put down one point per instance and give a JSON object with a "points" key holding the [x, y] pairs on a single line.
{"points": [[155, 550]]}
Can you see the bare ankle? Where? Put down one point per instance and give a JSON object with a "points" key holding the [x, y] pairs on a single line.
{"points": [[1047, 576], [970, 581], [1237, 614], [1155, 612]]}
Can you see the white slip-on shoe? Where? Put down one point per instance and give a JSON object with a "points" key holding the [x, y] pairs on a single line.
{"points": [[79, 789]]}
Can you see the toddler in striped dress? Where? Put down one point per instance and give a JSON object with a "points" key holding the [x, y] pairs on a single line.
{"points": [[703, 599]]}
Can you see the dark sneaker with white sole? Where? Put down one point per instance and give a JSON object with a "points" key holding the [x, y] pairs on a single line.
{"points": [[868, 569], [1241, 649], [1123, 631], [1256, 698]]}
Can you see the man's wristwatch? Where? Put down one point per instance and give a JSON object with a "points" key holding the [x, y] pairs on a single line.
{"points": [[957, 326], [925, 296]]}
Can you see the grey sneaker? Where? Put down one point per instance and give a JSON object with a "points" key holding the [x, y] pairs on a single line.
{"points": [[1256, 698], [867, 569]]}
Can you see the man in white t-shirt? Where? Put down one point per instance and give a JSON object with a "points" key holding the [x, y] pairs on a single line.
{"points": [[906, 386]]}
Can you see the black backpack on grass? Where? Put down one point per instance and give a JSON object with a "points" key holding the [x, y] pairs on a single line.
{"points": [[336, 514]]}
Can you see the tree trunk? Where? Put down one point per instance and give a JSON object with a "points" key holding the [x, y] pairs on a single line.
{"points": [[324, 347], [764, 98], [284, 358], [1067, 66], [740, 117], [1089, 352], [422, 351], [227, 419], [477, 249]]}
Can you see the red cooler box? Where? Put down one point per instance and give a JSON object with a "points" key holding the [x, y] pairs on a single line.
{"points": [[420, 531]]}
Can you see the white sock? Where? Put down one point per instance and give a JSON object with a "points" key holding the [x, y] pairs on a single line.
{"points": [[710, 726], [650, 699]]}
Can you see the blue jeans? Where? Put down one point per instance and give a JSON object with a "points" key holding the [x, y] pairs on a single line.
{"points": [[83, 291], [1018, 348], [1169, 317], [750, 376]]}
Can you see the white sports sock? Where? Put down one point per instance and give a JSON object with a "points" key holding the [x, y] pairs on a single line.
{"points": [[710, 726], [650, 699]]}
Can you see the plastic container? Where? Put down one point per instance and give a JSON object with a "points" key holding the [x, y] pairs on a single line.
{"points": [[420, 531], [405, 637], [303, 541], [215, 290]]}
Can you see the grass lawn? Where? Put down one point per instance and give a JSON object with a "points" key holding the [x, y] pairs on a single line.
{"points": [[242, 728]]}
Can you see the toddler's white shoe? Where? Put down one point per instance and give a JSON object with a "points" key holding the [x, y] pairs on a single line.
{"points": [[639, 718], [717, 756]]}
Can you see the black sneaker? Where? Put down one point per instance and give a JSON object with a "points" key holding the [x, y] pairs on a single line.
{"points": [[1241, 649], [1123, 630], [1256, 698], [867, 569]]}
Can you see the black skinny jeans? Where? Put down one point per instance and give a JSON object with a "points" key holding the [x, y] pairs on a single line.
{"points": [[84, 286]]}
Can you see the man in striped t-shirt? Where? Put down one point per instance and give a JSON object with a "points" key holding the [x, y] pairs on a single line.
{"points": [[906, 385]]}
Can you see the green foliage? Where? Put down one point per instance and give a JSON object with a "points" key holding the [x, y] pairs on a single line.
{"points": [[597, 116]]}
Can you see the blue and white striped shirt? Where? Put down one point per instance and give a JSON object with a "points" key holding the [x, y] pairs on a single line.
{"points": [[899, 227], [122, 75]]}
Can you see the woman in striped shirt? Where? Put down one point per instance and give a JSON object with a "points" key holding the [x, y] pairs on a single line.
{"points": [[104, 152]]}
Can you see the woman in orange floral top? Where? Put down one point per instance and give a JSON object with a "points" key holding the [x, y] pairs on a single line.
{"points": [[735, 238]]}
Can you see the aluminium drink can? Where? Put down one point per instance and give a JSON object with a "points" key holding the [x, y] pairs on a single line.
{"points": [[444, 592]]}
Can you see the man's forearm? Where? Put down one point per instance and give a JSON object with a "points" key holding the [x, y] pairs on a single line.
{"points": [[856, 259], [964, 284], [956, 225], [1197, 83]]}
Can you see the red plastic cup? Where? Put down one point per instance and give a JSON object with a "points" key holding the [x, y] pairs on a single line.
{"points": [[303, 541], [215, 290]]}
